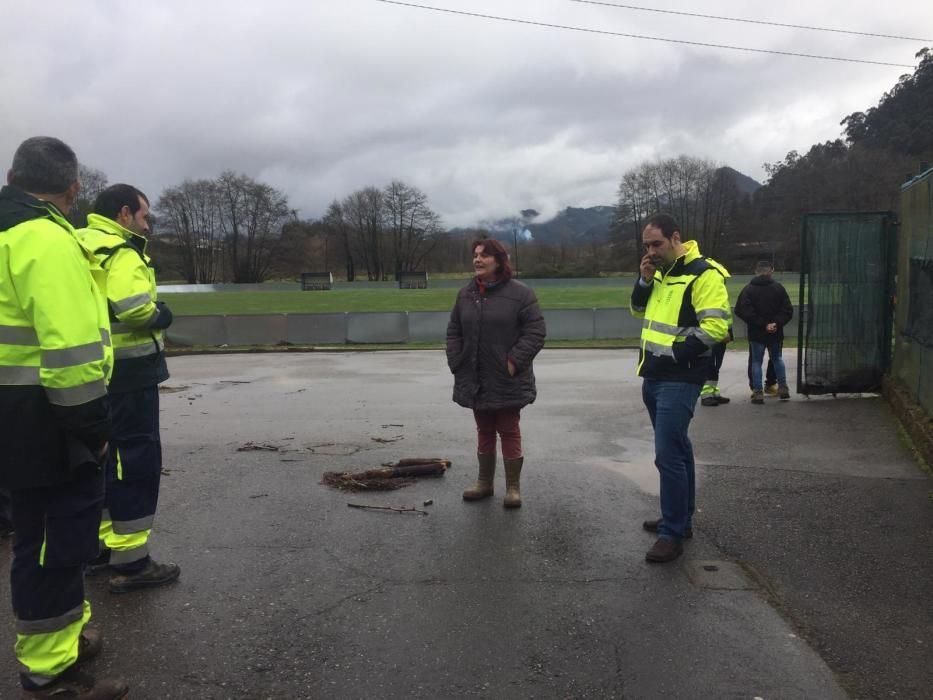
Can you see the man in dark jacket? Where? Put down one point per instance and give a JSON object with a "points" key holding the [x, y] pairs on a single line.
{"points": [[765, 307]]}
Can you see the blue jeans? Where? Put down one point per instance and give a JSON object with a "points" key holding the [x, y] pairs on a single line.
{"points": [[756, 352], [670, 406]]}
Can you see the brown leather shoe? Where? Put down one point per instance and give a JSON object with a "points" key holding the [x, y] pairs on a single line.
{"points": [[783, 392], [652, 526], [758, 397], [80, 686], [664, 551]]}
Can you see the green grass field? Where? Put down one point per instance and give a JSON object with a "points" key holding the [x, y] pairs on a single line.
{"points": [[339, 301]]}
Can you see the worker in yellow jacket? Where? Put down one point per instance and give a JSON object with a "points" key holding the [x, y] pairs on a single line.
{"points": [[117, 234], [55, 359], [683, 301]]}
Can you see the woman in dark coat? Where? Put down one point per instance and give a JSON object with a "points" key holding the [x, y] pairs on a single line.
{"points": [[495, 331]]}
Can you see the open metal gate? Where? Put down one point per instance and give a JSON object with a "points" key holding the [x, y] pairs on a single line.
{"points": [[847, 268]]}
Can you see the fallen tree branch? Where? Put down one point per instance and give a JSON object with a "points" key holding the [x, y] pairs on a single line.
{"points": [[393, 475], [251, 446], [394, 509]]}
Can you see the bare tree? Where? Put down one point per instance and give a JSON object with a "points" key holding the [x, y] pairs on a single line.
{"points": [[251, 216], [410, 225], [191, 215], [336, 222], [720, 196], [696, 191], [364, 212], [93, 182]]}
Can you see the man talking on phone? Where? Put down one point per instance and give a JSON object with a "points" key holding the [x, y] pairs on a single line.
{"points": [[683, 301]]}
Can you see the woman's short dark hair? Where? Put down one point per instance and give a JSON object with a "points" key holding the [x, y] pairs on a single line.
{"points": [[493, 247], [111, 200], [666, 223], [44, 165]]}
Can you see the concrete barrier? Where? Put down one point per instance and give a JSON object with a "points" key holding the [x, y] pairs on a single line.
{"points": [[393, 327]]}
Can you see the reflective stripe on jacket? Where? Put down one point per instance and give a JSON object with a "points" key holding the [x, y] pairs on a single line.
{"points": [[686, 312], [55, 350]]}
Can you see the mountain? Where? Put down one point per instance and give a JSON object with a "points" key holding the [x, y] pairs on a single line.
{"points": [[590, 224], [745, 184], [583, 224]]}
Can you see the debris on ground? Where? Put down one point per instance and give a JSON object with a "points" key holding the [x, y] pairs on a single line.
{"points": [[165, 389], [429, 502], [393, 475], [393, 509], [385, 440], [251, 446]]}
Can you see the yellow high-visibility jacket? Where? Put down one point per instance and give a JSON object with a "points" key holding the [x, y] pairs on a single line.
{"points": [[686, 312], [55, 351], [136, 319]]}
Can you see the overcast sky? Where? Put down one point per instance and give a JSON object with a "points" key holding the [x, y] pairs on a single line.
{"points": [[322, 97]]}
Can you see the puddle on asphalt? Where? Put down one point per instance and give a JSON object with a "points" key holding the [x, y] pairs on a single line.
{"points": [[635, 462], [640, 472], [334, 449]]}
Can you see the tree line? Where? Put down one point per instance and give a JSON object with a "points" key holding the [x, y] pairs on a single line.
{"points": [[236, 229]]}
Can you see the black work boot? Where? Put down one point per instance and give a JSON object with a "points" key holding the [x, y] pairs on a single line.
{"points": [[98, 564], [153, 576], [652, 526], [6, 528], [483, 486], [79, 686]]}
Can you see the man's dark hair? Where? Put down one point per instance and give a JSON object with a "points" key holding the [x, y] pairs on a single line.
{"points": [[114, 198], [666, 223], [44, 165], [763, 267]]}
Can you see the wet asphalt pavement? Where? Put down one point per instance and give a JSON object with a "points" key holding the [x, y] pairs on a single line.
{"points": [[286, 592]]}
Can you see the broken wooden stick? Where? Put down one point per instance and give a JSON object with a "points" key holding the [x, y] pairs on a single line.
{"points": [[394, 509]]}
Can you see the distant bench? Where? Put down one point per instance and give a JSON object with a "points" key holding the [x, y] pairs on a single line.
{"points": [[413, 280], [316, 281]]}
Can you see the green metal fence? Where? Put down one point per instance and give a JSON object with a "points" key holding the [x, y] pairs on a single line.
{"points": [[913, 338], [846, 295]]}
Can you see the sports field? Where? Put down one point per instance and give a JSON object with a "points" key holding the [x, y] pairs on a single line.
{"points": [[338, 301]]}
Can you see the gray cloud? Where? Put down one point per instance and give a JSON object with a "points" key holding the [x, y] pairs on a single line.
{"points": [[488, 118]]}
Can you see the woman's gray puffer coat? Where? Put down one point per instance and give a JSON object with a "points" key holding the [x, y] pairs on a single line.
{"points": [[485, 330]]}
